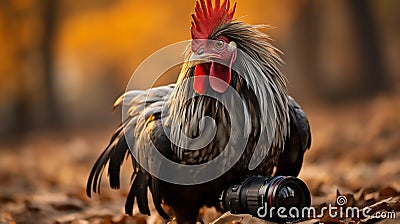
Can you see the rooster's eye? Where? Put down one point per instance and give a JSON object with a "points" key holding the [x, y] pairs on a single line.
{"points": [[219, 44]]}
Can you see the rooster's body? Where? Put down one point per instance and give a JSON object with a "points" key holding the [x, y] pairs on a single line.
{"points": [[238, 58]]}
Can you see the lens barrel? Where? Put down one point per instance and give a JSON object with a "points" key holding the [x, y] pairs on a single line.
{"points": [[279, 198]]}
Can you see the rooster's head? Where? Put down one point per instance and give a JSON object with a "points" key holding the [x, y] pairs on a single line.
{"points": [[230, 53], [217, 51]]}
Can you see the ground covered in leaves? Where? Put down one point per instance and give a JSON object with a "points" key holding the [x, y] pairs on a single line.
{"points": [[355, 154]]}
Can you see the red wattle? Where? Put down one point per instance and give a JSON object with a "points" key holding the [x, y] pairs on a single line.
{"points": [[220, 77], [200, 82]]}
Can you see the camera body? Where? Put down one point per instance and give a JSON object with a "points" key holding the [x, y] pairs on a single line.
{"points": [[269, 198]]}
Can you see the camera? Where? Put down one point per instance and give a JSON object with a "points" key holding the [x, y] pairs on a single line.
{"points": [[280, 198]]}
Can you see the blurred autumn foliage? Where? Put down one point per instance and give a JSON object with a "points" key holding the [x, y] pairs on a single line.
{"points": [[63, 63]]}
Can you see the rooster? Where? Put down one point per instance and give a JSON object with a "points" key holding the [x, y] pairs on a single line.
{"points": [[225, 55]]}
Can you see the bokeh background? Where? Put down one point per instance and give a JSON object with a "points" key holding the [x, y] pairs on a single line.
{"points": [[63, 63]]}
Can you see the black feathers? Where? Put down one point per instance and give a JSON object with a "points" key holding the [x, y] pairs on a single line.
{"points": [[117, 156], [147, 104], [157, 199], [291, 159], [138, 191], [113, 152]]}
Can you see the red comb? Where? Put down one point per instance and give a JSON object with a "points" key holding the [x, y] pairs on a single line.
{"points": [[208, 18]]}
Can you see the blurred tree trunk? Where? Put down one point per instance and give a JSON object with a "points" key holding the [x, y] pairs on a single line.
{"points": [[35, 100], [50, 93], [375, 77], [19, 106], [303, 42], [322, 39]]}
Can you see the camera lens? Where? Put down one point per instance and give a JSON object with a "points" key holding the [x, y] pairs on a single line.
{"points": [[290, 195], [278, 198]]}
